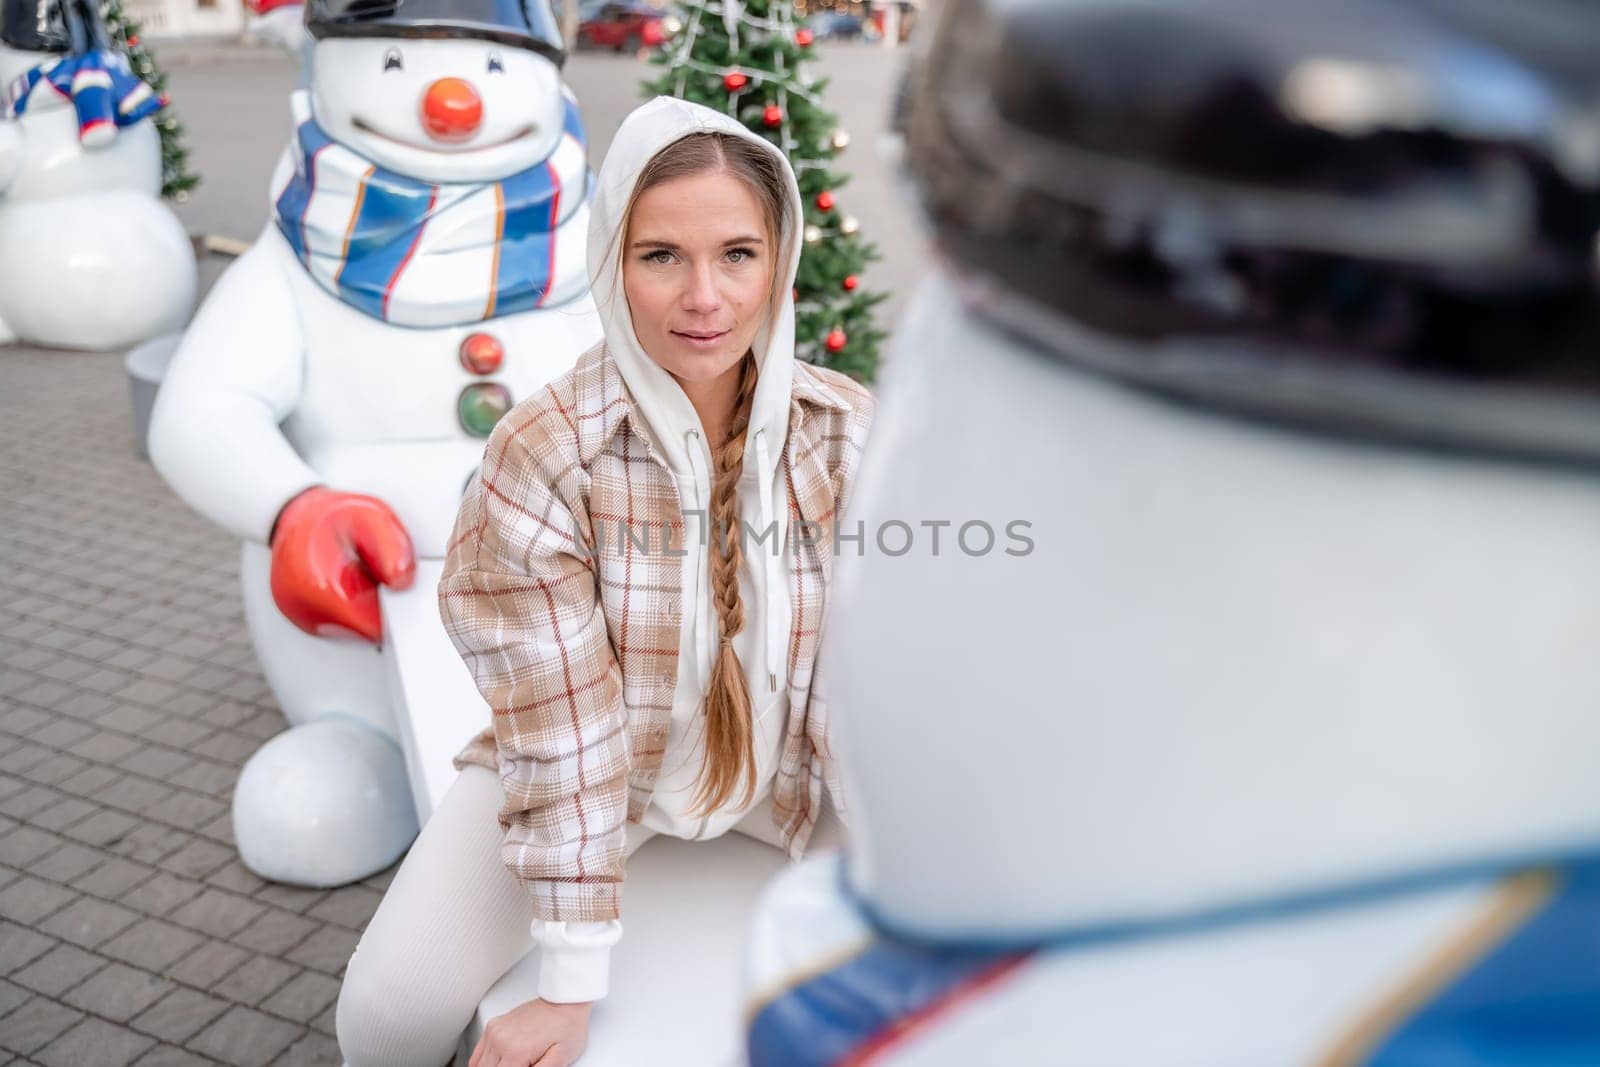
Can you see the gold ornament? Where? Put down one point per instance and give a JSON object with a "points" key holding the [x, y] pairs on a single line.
{"points": [[848, 225], [841, 140], [813, 234]]}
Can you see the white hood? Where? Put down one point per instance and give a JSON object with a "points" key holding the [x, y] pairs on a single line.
{"points": [[658, 399]]}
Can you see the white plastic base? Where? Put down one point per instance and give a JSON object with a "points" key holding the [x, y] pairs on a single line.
{"points": [[677, 972], [436, 705]]}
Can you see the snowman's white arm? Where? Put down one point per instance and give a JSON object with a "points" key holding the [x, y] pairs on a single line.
{"points": [[214, 433], [10, 152]]}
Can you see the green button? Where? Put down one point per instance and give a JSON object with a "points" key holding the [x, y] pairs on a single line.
{"points": [[481, 405]]}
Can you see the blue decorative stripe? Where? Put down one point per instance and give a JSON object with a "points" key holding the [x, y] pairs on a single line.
{"points": [[95, 106], [573, 124], [394, 212], [528, 246], [1533, 1001], [1286, 905], [296, 196], [835, 1014]]}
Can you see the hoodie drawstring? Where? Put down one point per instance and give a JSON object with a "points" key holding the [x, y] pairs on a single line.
{"points": [[769, 561], [691, 441]]}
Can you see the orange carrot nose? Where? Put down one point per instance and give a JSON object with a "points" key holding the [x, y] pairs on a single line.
{"points": [[452, 110]]}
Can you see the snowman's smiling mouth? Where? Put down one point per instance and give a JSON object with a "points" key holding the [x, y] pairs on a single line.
{"points": [[367, 127]]}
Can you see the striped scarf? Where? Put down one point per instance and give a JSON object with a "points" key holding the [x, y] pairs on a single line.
{"points": [[98, 83], [417, 254]]}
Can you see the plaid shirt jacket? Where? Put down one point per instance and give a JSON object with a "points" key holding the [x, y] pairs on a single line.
{"points": [[574, 643]]}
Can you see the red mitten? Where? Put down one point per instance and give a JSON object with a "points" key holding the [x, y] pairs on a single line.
{"points": [[330, 552]]}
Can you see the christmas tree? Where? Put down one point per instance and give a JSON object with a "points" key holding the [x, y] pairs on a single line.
{"points": [[750, 59], [123, 31]]}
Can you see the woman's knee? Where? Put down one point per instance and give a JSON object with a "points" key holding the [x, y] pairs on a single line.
{"points": [[390, 1015], [451, 923]]}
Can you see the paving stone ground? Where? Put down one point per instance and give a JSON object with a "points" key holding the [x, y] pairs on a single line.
{"points": [[129, 697]]}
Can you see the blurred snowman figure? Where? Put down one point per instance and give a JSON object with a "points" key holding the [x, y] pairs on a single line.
{"points": [[281, 23], [423, 269], [90, 257], [1279, 325]]}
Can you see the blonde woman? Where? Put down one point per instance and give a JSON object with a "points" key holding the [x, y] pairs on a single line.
{"points": [[636, 581]]}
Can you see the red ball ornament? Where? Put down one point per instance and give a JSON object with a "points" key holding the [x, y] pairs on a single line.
{"points": [[836, 340], [803, 38], [133, 41], [773, 115], [825, 200], [850, 283], [733, 81]]}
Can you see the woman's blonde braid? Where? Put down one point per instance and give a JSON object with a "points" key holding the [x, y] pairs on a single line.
{"points": [[730, 740]]}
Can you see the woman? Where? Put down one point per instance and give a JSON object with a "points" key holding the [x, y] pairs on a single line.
{"points": [[625, 586]]}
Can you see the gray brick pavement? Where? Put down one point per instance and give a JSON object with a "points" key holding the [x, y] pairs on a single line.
{"points": [[129, 930]]}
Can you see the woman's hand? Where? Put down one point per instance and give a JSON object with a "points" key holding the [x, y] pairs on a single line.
{"points": [[538, 1034]]}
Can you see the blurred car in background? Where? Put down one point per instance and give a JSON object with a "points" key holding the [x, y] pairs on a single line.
{"points": [[622, 25], [838, 25]]}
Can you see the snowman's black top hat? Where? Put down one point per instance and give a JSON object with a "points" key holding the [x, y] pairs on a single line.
{"points": [[34, 25], [519, 23], [52, 25], [1381, 217]]}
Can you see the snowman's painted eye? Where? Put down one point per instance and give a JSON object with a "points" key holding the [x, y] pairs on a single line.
{"points": [[496, 65], [392, 60]]}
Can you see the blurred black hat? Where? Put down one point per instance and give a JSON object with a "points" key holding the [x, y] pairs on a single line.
{"points": [[34, 25], [520, 23], [1380, 215]]}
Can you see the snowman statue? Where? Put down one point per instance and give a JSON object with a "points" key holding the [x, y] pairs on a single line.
{"points": [[423, 269], [1275, 742], [278, 22], [90, 258]]}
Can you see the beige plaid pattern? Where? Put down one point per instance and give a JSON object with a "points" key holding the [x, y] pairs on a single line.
{"points": [[574, 644]]}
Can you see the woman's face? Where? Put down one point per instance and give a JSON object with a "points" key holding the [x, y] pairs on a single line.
{"points": [[697, 273]]}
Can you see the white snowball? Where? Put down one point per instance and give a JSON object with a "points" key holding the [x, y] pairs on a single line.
{"points": [[323, 804]]}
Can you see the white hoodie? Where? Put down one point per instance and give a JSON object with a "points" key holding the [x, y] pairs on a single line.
{"points": [[574, 965]]}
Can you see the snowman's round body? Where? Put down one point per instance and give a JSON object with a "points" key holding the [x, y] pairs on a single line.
{"points": [[343, 352], [90, 257], [1250, 717], [376, 410], [1206, 629]]}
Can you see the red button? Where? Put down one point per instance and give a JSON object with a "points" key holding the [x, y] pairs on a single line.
{"points": [[482, 353]]}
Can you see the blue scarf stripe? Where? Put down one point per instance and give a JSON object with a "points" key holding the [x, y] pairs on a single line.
{"points": [[1532, 1000], [523, 278], [572, 124], [296, 196], [392, 208], [528, 246], [834, 1014], [395, 211]]}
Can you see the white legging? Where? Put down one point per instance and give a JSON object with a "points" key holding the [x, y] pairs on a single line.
{"points": [[453, 921]]}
